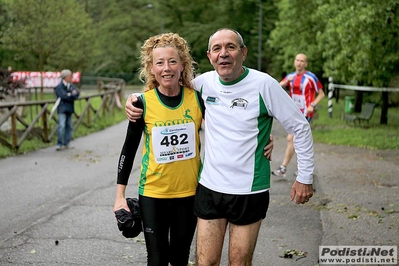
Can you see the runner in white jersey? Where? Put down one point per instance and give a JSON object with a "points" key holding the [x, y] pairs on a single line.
{"points": [[239, 115], [233, 187]]}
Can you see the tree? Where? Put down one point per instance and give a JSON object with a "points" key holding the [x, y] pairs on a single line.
{"points": [[48, 34], [360, 43], [295, 32], [120, 29], [356, 42], [197, 21], [360, 40]]}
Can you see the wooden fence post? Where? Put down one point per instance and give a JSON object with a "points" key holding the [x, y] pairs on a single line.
{"points": [[45, 126]]}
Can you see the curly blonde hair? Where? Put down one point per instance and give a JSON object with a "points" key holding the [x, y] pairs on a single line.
{"points": [[166, 40]]}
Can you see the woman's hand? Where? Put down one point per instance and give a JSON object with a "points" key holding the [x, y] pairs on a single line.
{"points": [[268, 149]]}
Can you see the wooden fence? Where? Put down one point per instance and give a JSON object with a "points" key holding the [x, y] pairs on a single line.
{"points": [[40, 125]]}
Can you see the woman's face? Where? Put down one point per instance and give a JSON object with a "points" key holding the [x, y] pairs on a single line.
{"points": [[166, 67]]}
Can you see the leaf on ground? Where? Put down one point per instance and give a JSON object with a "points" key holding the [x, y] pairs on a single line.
{"points": [[390, 211], [290, 253], [353, 216], [139, 240]]}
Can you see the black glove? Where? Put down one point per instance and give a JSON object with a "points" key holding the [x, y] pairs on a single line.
{"points": [[124, 218]]}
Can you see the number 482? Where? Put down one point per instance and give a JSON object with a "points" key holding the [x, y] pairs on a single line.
{"points": [[174, 140]]}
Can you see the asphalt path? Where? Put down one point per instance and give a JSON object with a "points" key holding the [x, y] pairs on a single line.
{"points": [[56, 206]]}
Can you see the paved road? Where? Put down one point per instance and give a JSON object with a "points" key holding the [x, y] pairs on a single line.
{"points": [[56, 207]]}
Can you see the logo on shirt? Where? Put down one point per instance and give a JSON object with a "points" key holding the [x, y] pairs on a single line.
{"points": [[187, 118], [239, 102], [212, 100], [168, 131]]}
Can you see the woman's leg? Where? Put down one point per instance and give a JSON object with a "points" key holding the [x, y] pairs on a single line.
{"points": [[156, 230], [183, 223]]}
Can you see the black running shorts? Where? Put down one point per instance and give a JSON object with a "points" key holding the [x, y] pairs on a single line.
{"points": [[237, 209]]}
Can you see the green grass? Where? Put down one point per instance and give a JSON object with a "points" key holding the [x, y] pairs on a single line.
{"points": [[336, 131]]}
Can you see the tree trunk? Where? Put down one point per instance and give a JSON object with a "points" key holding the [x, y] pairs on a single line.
{"points": [[384, 108], [358, 101]]}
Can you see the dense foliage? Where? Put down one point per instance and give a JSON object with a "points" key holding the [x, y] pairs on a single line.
{"points": [[46, 35], [354, 41]]}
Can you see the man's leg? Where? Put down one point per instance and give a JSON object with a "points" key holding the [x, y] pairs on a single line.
{"points": [[68, 129], [242, 242], [210, 237], [61, 129], [290, 150]]}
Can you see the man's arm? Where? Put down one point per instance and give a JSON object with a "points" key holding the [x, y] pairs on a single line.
{"points": [[60, 92], [286, 81], [282, 107], [319, 97], [301, 192], [74, 92]]}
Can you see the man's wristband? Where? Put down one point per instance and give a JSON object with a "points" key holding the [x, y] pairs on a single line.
{"points": [[313, 105]]}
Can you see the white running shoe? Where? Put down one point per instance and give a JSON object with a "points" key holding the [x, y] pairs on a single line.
{"points": [[280, 172]]}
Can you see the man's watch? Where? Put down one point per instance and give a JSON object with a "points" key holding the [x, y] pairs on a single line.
{"points": [[313, 105]]}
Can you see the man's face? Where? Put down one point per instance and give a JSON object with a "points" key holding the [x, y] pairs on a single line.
{"points": [[300, 63], [68, 78], [226, 55]]}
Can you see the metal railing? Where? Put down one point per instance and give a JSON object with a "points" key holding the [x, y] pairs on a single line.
{"points": [[332, 87]]}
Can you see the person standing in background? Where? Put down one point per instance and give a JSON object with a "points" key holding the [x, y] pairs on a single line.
{"points": [[67, 93]]}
